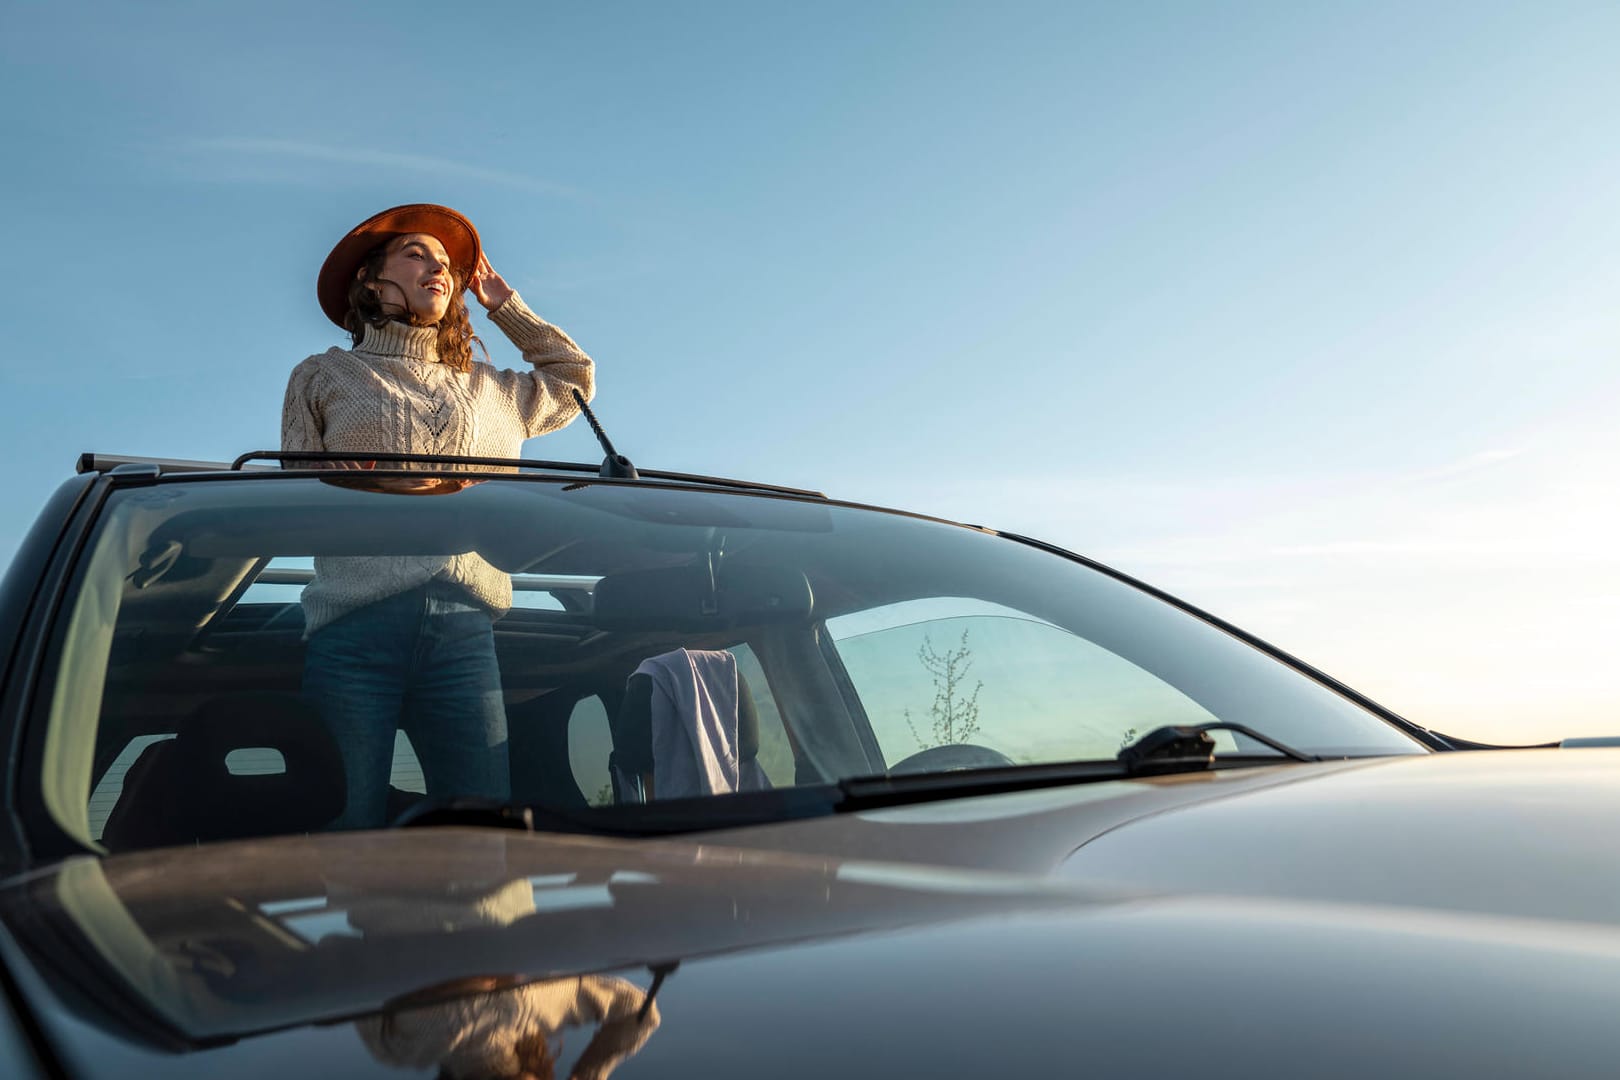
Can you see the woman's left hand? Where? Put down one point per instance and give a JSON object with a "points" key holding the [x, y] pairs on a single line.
{"points": [[489, 287]]}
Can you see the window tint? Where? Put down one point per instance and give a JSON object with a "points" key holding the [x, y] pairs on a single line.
{"points": [[590, 742], [105, 796], [945, 671], [775, 751], [279, 582], [406, 772]]}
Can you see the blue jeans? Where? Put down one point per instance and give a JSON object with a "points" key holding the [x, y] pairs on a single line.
{"points": [[422, 662]]}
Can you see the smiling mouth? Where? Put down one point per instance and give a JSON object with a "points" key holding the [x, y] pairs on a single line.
{"points": [[436, 287]]}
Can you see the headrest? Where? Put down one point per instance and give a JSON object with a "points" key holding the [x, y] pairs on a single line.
{"points": [[307, 794]]}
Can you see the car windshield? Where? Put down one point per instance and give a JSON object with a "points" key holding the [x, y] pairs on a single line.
{"points": [[780, 641]]}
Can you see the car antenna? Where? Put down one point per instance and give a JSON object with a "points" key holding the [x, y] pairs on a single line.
{"points": [[660, 972], [615, 465]]}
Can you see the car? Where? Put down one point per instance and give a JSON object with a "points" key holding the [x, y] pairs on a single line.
{"points": [[1014, 812]]}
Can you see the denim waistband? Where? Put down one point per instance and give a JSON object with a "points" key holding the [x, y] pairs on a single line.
{"points": [[436, 597], [447, 597]]}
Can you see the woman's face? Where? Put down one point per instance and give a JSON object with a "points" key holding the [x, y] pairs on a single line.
{"points": [[416, 276]]}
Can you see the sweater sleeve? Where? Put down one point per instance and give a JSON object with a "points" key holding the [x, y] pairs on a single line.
{"points": [[542, 397], [302, 426], [616, 1005]]}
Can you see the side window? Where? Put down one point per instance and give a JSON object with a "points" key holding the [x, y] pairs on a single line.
{"points": [[281, 581], [948, 671], [111, 786], [590, 741], [406, 773], [775, 752]]}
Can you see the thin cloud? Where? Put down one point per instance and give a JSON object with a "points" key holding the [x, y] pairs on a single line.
{"points": [[240, 149], [1379, 547], [1472, 463], [1509, 552]]}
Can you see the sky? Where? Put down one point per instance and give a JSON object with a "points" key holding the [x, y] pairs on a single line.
{"points": [[1304, 312]]}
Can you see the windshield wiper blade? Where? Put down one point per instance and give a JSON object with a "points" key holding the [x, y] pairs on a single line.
{"points": [[1162, 751], [869, 792]]}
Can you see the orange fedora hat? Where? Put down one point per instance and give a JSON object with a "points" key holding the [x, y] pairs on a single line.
{"points": [[455, 232]]}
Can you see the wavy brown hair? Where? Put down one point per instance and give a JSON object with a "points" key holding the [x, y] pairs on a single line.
{"points": [[456, 337]]}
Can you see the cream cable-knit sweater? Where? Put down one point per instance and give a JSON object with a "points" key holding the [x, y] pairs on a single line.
{"points": [[390, 394], [477, 1036]]}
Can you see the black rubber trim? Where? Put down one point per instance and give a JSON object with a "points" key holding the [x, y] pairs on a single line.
{"points": [[43, 634], [31, 587]]}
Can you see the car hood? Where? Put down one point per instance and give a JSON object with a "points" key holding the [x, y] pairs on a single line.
{"points": [[1188, 922], [1526, 834], [1515, 833]]}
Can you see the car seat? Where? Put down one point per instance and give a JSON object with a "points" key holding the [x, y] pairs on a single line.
{"points": [[542, 772], [182, 791], [631, 761]]}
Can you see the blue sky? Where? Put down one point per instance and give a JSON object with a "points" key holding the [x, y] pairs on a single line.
{"points": [[1306, 312]]}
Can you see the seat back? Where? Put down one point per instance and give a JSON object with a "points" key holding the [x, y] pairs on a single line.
{"points": [[185, 790], [542, 771]]}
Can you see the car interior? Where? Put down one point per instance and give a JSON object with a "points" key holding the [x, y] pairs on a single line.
{"points": [[202, 734]]}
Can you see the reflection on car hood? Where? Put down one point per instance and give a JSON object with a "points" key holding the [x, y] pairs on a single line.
{"points": [[333, 925], [1426, 915]]}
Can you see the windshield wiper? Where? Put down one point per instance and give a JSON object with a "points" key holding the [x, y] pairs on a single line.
{"points": [[1162, 751], [1188, 747]]}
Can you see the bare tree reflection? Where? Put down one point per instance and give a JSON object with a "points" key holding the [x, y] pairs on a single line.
{"points": [[487, 1028]]}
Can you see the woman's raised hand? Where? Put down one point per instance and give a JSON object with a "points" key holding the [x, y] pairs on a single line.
{"points": [[489, 287]]}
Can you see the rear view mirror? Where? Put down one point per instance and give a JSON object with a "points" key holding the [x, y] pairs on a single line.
{"points": [[686, 598]]}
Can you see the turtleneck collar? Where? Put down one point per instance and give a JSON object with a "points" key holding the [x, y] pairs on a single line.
{"points": [[398, 339]]}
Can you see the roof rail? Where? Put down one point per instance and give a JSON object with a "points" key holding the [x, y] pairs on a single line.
{"points": [[293, 459], [101, 463], [313, 457], [93, 462]]}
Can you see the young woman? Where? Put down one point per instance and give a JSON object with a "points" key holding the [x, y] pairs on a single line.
{"points": [[406, 643]]}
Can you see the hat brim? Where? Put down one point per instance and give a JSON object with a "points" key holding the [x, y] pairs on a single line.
{"points": [[455, 232]]}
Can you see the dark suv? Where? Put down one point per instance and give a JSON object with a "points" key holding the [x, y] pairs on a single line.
{"points": [[1050, 800]]}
